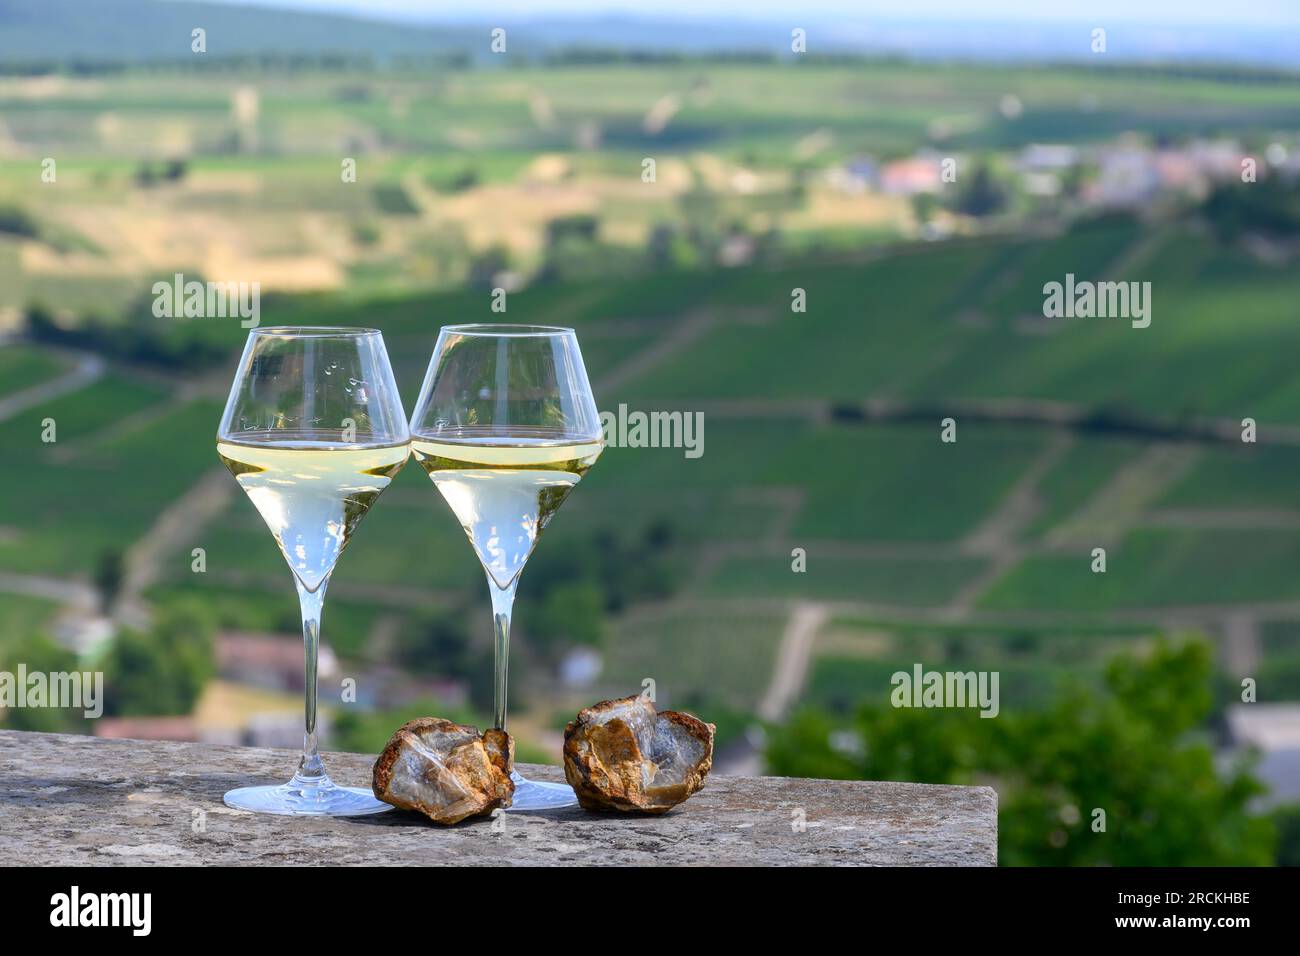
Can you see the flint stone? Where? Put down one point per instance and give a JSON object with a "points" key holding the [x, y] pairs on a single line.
{"points": [[622, 755], [446, 771]]}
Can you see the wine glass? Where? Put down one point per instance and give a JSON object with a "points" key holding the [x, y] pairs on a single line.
{"points": [[313, 432], [505, 426]]}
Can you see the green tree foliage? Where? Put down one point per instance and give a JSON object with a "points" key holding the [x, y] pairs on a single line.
{"points": [[175, 343], [391, 199], [643, 565], [358, 731], [582, 227], [171, 171], [574, 251], [439, 645], [164, 670], [110, 571], [457, 181], [1269, 207], [366, 233], [981, 195], [39, 653], [1133, 750], [570, 615], [486, 266], [17, 222], [1287, 821], [924, 206]]}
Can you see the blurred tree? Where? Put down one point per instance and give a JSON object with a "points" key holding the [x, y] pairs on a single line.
{"points": [[804, 747], [770, 247], [643, 566], [1131, 750], [366, 233], [145, 175], [17, 222], [1072, 182], [39, 324], [176, 343], [110, 571], [701, 210], [980, 195], [39, 653], [924, 206], [581, 226], [358, 731], [164, 670], [660, 245], [486, 266], [1287, 821], [572, 257], [730, 721], [461, 181], [1269, 207], [572, 614], [440, 645], [669, 248]]}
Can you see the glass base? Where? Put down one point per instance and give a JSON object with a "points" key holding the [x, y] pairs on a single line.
{"points": [[319, 796], [535, 795]]}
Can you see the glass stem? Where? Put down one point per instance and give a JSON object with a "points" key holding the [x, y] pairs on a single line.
{"points": [[311, 770], [503, 602]]}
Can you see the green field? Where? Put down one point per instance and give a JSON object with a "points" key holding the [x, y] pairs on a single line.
{"points": [[738, 107], [1080, 473], [859, 656], [267, 610], [887, 329], [1160, 568], [1104, 362], [821, 427], [21, 616], [91, 498], [917, 581], [782, 481], [1247, 477], [759, 477], [22, 367], [722, 658]]}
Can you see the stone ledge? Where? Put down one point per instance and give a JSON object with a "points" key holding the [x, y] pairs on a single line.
{"points": [[88, 801]]}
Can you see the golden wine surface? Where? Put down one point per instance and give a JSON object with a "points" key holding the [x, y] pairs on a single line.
{"points": [[312, 494], [503, 492]]}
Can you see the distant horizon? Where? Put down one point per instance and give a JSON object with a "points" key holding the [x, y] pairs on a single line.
{"points": [[1152, 13], [1265, 33], [932, 31]]}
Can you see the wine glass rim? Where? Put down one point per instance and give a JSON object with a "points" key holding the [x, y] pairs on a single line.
{"points": [[331, 331], [506, 329]]}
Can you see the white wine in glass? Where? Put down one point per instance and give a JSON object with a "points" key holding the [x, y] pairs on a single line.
{"points": [[313, 432], [312, 493], [506, 426], [504, 490]]}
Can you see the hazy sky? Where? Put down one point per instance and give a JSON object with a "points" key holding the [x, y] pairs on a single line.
{"points": [[1242, 13]]}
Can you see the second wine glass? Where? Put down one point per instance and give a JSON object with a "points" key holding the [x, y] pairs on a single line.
{"points": [[506, 426]]}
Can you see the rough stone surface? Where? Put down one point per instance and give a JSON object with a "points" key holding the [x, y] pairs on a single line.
{"points": [[82, 800]]}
